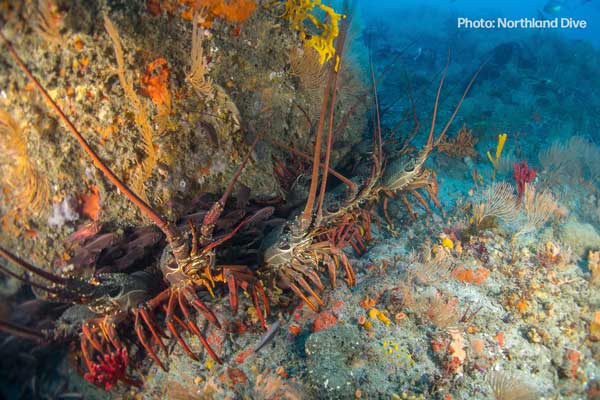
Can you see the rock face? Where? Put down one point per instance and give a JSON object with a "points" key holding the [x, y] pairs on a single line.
{"points": [[334, 360], [580, 237], [165, 138]]}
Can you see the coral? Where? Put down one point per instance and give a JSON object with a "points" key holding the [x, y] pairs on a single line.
{"points": [[299, 12], [28, 186], [447, 243], [90, 204], [470, 275], [155, 80], [376, 314], [324, 320], [47, 22], [440, 310], [463, 145], [197, 76], [495, 161], [538, 208], [505, 387], [551, 255], [595, 327], [110, 369], [523, 175], [570, 364], [312, 76], [235, 11], [145, 169], [497, 201], [570, 162]]}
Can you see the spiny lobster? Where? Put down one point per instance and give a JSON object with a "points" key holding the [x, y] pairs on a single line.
{"points": [[110, 296], [315, 239], [186, 266]]}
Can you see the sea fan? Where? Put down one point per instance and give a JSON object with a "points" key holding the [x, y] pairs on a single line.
{"points": [[497, 201], [505, 387], [28, 187], [197, 77]]}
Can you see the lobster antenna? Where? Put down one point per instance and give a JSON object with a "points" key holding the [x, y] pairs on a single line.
{"points": [[330, 129], [144, 208], [22, 332], [436, 104], [466, 91], [314, 181], [351, 185], [31, 268]]}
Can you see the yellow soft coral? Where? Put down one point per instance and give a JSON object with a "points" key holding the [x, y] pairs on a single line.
{"points": [[495, 161], [299, 11]]}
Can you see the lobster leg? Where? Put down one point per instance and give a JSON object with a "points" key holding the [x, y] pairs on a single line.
{"points": [[201, 307], [151, 325], [386, 214], [22, 332], [234, 273], [304, 284], [194, 328], [211, 217], [171, 326], [366, 223], [421, 200], [350, 276], [89, 329], [139, 330], [332, 265], [299, 293], [408, 207]]}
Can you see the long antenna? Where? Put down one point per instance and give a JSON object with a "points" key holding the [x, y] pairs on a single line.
{"points": [[164, 225]]}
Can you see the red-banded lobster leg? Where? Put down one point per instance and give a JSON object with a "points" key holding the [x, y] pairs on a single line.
{"points": [[139, 331], [432, 190], [350, 276], [302, 296], [193, 299], [366, 224], [408, 207], [386, 215], [193, 327], [241, 276], [357, 238], [299, 279], [150, 325], [108, 327], [89, 329], [421, 200], [332, 265], [171, 325]]}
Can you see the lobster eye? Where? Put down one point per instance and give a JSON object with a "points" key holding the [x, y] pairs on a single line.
{"points": [[409, 167], [284, 246], [114, 291]]}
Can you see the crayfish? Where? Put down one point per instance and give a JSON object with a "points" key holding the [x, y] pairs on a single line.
{"points": [[188, 264], [315, 239]]}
